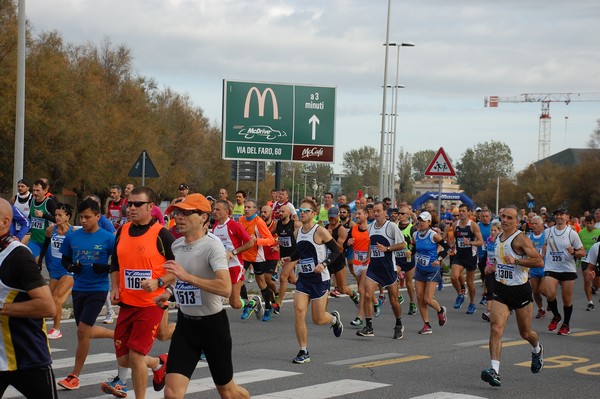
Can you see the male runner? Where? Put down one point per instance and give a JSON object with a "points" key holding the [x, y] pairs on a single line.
{"points": [[285, 229], [41, 213], [514, 254]]}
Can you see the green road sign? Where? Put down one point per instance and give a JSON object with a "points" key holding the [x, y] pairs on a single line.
{"points": [[278, 122]]}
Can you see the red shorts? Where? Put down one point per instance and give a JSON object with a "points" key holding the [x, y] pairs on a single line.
{"points": [[136, 329], [236, 273]]}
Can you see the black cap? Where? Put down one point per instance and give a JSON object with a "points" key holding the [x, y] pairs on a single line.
{"points": [[560, 210], [24, 181], [183, 186]]}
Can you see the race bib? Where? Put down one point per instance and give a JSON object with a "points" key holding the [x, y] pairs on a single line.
{"points": [[187, 294], [285, 242], [505, 272], [557, 256], [422, 260], [306, 265], [134, 278], [375, 252], [360, 255], [37, 223], [401, 253], [461, 244]]}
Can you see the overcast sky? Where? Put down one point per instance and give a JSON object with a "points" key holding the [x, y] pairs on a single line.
{"points": [[464, 50]]}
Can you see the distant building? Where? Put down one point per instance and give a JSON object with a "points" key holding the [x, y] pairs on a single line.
{"points": [[569, 157], [335, 186], [449, 185]]}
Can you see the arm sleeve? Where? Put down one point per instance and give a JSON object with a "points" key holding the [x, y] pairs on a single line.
{"points": [[334, 252], [23, 221], [43, 251], [114, 259], [164, 242], [50, 207]]}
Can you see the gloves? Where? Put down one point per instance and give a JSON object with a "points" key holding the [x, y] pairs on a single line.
{"points": [[75, 267], [99, 268]]}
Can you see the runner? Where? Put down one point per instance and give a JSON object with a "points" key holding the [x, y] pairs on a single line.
{"points": [[337, 267], [561, 248], [588, 235], [490, 268], [61, 281], [428, 265], [536, 274], [284, 230], [203, 280], [25, 363], [85, 252], [114, 206], [405, 260], [468, 237], [271, 260], [41, 213], [385, 238], [313, 283], [514, 254], [143, 245]]}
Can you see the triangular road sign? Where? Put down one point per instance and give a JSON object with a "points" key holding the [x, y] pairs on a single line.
{"points": [[440, 165], [143, 162]]}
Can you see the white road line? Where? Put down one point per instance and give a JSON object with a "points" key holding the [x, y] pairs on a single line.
{"points": [[366, 359], [207, 384], [324, 391], [91, 359], [447, 395]]}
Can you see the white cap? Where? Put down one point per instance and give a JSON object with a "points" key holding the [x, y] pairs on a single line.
{"points": [[425, 216]]}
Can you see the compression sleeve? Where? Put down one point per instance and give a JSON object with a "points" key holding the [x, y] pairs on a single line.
{"points": [[334, 252]]}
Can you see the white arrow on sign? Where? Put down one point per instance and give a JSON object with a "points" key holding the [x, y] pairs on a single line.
{"points": [[314, 121]]}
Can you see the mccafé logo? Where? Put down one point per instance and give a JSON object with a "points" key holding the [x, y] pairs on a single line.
{"points": [[261, 97], [314, 152]]}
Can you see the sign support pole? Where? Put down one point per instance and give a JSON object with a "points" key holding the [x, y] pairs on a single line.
{"points": [[144, 168]]}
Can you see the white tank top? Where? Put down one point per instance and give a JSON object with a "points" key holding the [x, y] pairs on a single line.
{"points": [[508, 274], [557, 258]]}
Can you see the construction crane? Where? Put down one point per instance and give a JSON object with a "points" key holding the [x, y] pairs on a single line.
{"points": [[545, 99]]}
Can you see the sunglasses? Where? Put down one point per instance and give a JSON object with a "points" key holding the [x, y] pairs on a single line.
{"points": [[402, 213], [186, 212], [305, 210], [137, 204]]}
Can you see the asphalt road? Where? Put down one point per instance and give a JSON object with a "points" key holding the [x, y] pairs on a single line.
{"points": [[445, 364]]}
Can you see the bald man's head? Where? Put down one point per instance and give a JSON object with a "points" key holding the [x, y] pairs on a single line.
{"points": [[6, 215]]}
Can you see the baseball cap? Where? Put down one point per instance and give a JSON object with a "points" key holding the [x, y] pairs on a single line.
{"points": [[560, 210], [193, 202], [183, 186], [425, 216], [477, 209], [455, 211], [333, 212], [210, 198]]}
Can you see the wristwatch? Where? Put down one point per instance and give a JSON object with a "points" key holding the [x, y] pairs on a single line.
{"points": [[234, 251], [388, 249], [160, 282]]}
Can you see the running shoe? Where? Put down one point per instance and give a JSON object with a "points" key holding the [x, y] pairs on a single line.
{"points": [[540, 314], [486, 316], [459, 301], [442, 318], [590, 307], [275, 277], [425, 330], [564, 330], [491, 377], [357, 322], [440, 284], [377, 310], [366, 332], [398, 331], [338, 326], [472, 309], [114, 387], [202, 355], [554, 323], [355, 298], [259, 309], [251, 277], [400, 299], [109, 318], [158, 380], [267, 316], [70, 383], [54, 334], [381, 299], [412, 309], [248, 310], [276, 308], [334, 293], [302, 357], [537, 360], [483, 300]]}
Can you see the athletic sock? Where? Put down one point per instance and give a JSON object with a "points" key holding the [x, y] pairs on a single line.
{"points": [[553, 306], [399, 321], [160, 363], [496, 365], [244, 292], [369, 322], [266, 294], [568, 311], [122, 373]]}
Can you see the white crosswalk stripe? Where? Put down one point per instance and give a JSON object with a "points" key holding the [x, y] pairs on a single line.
{"points": [[324, 391]]}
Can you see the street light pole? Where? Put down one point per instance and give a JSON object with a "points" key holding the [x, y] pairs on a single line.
{"points": [[382, 161], [395, 119]]}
